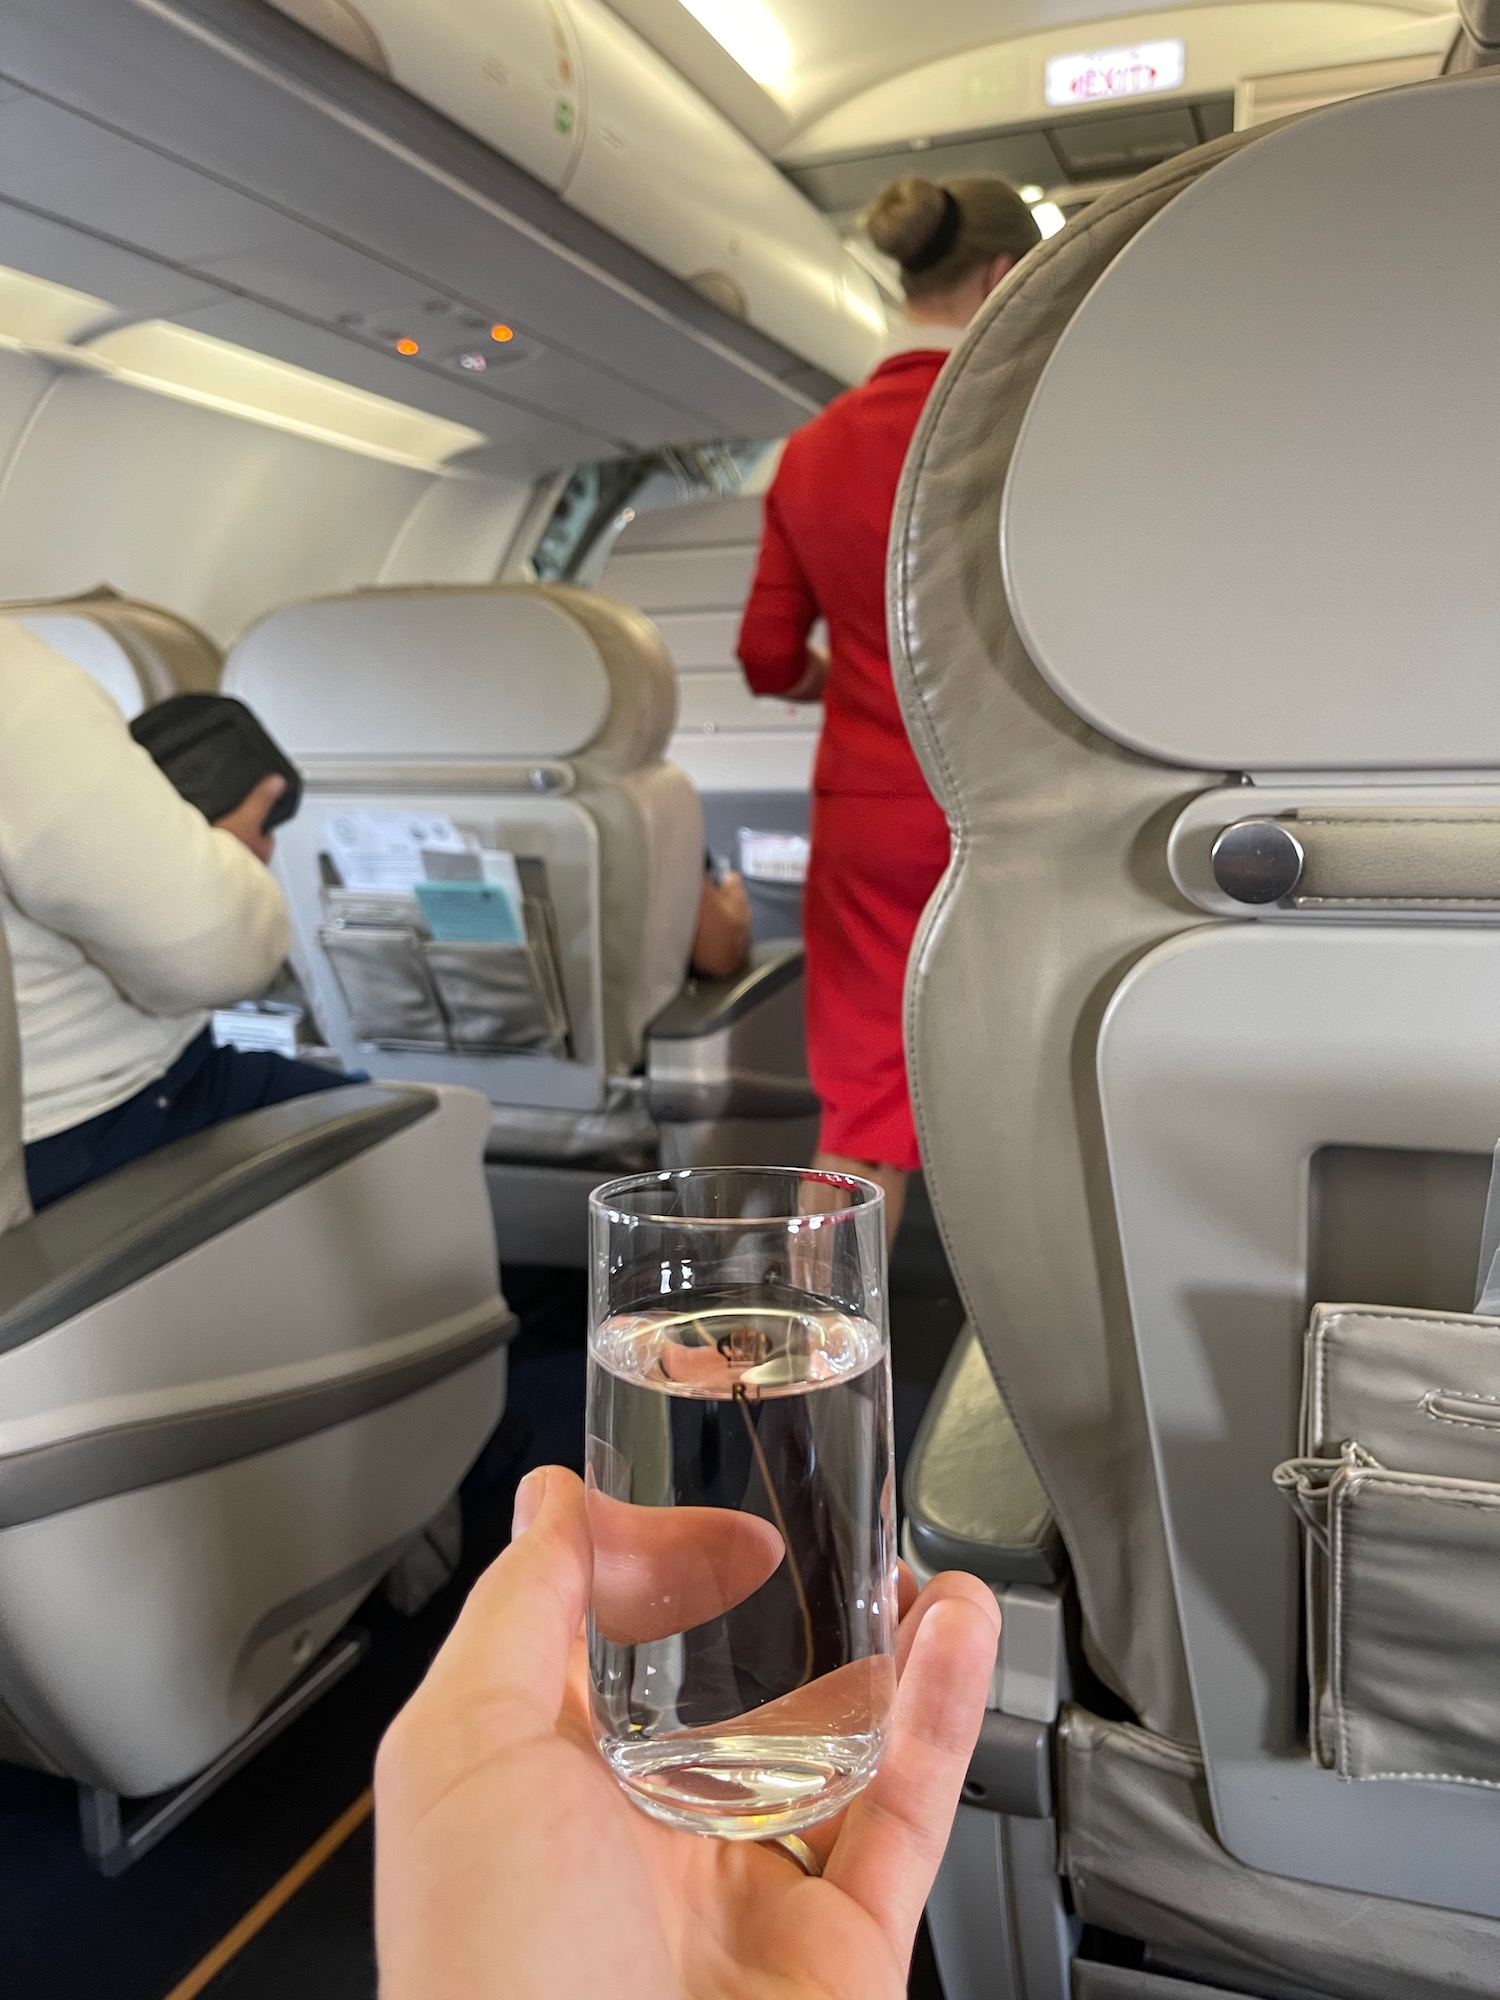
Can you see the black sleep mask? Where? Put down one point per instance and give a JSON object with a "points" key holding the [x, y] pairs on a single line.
{"points": [[216, 753]]}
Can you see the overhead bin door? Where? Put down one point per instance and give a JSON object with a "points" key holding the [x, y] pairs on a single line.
{"points": [[509, 73], [661, 168]]}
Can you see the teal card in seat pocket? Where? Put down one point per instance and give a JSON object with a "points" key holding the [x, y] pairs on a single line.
{"points": [[470, 913]]}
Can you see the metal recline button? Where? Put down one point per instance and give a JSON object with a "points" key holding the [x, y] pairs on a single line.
{"points": [[1257, 861]]}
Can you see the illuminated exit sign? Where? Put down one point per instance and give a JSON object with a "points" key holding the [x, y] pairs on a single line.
{"points": [[1115, 73]]}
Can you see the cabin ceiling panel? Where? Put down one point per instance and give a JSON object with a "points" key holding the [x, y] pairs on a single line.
{"points": [[836, 51], [136, 287], [997, 79], [843, 187], [534, 440], [366, 187], [180, 215], [328, 281], [133, 195], [548, 405]]}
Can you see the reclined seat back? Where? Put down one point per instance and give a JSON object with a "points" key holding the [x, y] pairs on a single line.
{"points": [[534, 718], [138, 652], [1238, 546]]}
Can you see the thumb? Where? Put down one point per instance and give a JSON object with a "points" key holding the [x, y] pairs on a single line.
{"points": [[508, 1652]]}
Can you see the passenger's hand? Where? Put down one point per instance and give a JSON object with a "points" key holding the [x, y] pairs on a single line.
{"points": [[509, 1863], [248, 820], [721, 942]]}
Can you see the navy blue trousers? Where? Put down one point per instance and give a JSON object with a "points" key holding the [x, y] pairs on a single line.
{"points": [[203, 1087]]}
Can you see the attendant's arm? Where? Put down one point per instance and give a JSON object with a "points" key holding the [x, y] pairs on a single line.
{"points": [[781, 611], [721, 943], [97, 845]]}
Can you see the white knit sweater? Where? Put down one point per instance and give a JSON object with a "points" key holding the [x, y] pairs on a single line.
{"points": [[127, 914]]}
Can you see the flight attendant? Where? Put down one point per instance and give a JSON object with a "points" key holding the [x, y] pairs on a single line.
{"points": [[879, 839]]}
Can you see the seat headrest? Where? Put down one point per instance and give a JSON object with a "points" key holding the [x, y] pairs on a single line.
{"points": [[504, 672], [1243, 528], [138, 652]]}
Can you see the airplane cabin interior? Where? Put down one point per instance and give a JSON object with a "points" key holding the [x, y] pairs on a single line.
{"points": [[411, 390]]}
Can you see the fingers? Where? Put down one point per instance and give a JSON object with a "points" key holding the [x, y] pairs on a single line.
{"points": [[906, 1588], [265, 795], [660, 1570], [506, 1660], [893, 1835], [248, 820], [951, 1583]]}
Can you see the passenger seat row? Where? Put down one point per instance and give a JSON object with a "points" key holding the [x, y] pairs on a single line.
{"points": [[239, 1376], [534, 720]]}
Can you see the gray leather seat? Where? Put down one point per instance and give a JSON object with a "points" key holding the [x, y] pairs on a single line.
{"points": [[139, 652], [236, 1379], [534, 718], [1201, 1021]]}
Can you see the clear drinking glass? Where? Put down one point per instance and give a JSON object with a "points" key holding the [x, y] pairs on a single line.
{"points": [[742, 1628]]}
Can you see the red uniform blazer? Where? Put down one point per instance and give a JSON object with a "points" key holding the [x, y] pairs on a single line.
{"points": [[827, 521]]}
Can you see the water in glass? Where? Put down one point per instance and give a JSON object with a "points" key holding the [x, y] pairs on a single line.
{"points": [[742, 1627]]}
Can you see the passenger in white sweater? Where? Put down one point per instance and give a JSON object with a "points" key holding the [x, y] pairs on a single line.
{"points": [[128, 917]]}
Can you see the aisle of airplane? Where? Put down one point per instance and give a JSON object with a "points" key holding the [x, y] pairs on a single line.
{"points": [[416, 374]]}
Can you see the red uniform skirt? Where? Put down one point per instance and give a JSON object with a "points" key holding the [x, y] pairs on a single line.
{"points": [[875, 862]]}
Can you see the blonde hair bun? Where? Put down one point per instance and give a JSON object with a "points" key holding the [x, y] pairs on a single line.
{"points": [[939, 234], [904, 217]]}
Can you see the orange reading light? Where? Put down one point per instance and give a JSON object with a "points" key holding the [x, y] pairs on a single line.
{"points": [[502, 332], [407, 346]]}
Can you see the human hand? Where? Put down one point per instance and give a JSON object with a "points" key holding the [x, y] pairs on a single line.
{"points": [[509, 1863], [248, 820], [721, 941], [811, 682]]}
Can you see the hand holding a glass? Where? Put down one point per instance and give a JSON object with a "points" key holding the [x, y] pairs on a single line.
{"points": [[510, 1863]]}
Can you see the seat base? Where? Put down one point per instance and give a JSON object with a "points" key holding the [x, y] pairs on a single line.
{"points": [[114, 1844]]}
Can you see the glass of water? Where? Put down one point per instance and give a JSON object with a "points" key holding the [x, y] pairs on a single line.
{"points": [[742, 1628]]}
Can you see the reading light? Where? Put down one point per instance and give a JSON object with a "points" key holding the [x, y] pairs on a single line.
{"points": [[501, 332], [1030, 194], [406, 345], [748, 31]]}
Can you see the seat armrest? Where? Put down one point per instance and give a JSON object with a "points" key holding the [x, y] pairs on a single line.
{"points": [[733, 1048], [117, 1230], [704, 1006], [973, 1501]]}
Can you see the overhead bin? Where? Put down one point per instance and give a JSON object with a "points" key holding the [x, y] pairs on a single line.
{"points": [[134, 170], [509, 71], [565, 89]]}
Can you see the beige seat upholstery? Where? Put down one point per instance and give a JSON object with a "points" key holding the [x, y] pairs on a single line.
{"points": [[1136, 1087], [236, 1379], [138, 652], [534, 715], [534, 718]]}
